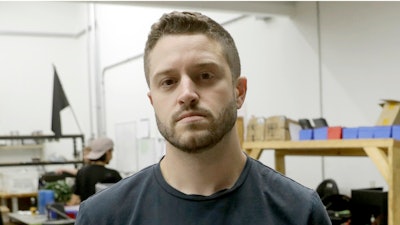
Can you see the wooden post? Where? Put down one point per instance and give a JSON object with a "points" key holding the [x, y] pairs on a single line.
{"points": [[394, 185]]}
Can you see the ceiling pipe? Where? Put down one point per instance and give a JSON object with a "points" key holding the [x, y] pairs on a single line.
{"points": [[44, 34]]}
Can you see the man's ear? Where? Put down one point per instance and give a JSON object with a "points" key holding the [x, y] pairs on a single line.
{"points": [[149, 96], [241, 89]]}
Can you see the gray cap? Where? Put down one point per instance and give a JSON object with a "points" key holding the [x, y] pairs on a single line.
{"points": [[99, 147]]}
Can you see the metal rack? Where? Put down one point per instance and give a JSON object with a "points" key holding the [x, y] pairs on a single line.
{"points": [[38, 139]]}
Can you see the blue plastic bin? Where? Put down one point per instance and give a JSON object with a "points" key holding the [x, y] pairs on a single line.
{"points": [[350, 133], [321, 133], [366, 132], [306, 134]]}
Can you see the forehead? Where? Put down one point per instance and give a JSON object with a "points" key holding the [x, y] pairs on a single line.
{"points": [[178, 48], [179, 42]]}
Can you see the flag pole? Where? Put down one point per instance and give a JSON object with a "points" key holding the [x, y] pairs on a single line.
{"points": [[76, 120]]}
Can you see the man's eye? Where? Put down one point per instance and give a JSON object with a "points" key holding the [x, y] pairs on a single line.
{"points": [[206, 76], [167, 82]]}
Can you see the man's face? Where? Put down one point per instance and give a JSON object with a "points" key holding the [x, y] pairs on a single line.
{"points": [[192, 92]]}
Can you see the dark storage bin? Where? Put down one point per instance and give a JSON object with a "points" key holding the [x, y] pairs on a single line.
{"points": [[369, 203]]}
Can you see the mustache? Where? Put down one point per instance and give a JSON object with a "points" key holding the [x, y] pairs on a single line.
{"points": [[182, 113]]}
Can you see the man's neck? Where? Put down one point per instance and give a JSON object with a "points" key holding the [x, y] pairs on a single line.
{"points": [[204, 173]]}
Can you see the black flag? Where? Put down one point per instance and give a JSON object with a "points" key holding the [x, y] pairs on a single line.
{"points": [[60, 101]]}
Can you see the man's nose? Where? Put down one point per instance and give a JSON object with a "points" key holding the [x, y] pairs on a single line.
{"points": [[188, 92]]}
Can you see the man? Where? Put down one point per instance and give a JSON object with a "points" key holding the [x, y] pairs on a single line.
{"points": [[95, 171], [192, 69]]}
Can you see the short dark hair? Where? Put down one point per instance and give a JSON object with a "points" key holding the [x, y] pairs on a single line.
{"points": [[175, 23]]}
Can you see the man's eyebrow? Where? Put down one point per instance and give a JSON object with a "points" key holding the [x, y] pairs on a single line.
{"points": [[199, 65], [207, 65], [163, 72]]}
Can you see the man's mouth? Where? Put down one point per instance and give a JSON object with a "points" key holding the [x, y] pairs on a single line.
{"points": [[192, 116]]}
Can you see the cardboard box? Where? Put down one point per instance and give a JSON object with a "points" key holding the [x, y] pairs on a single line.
{"points": [[390, 114], [281, 128], [276, 128], [277, 134], [255, 129]]}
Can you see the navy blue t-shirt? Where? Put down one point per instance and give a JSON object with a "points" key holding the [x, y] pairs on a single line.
{"points": [[260, 196]]}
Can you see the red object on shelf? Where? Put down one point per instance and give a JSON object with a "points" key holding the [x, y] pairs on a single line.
{"points": [[334, 132]]}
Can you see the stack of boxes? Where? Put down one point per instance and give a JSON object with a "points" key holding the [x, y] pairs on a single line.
{"points": [[272, 128]]}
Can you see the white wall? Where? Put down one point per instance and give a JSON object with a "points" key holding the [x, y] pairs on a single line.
{"points": [[280, 57], [360, 54], [33, 36], [26, 63]]}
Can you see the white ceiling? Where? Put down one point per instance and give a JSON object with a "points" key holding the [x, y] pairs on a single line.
{"points": [[264, 8]]}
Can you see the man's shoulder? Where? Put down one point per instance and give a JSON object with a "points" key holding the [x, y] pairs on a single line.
{"points": [[272, 178], [282, 191]]}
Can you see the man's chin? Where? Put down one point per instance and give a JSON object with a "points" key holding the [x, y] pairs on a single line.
{"points": [[194, 143], [196, 126]]}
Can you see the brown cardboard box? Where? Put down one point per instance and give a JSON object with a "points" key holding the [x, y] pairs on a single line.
{"points": [[276, 128], [281, 128], [390, 114], [255, 129], [277, 134]]}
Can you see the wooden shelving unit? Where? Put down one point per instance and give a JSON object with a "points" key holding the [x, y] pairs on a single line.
{"points": [[385, 153]]}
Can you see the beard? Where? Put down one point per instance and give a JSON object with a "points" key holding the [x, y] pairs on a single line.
{"points": [[201, 140]]}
